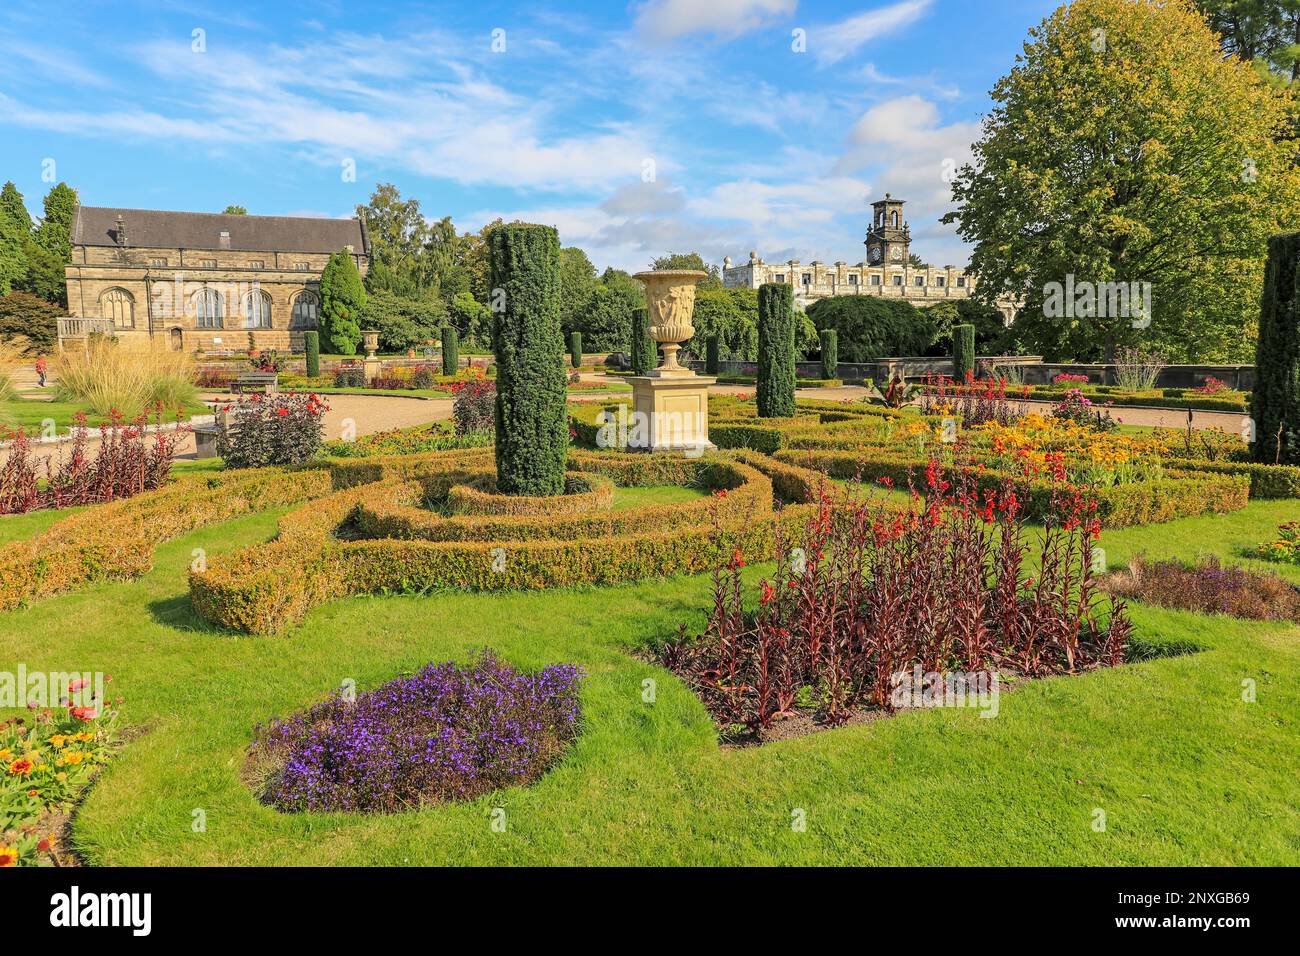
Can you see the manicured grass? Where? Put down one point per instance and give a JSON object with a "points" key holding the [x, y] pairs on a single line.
{"points": [[21, 527], [31, 414], [1185, 770], [658, 495]]}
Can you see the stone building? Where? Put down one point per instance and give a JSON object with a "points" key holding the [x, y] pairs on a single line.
{"points": [[188, 281], [886, 271]]}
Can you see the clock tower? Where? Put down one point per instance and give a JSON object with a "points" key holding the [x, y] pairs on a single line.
{"points": [[890, 237]]}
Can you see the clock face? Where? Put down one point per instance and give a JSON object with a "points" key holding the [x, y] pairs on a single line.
{"points": [[897, 255], [875, 253]]}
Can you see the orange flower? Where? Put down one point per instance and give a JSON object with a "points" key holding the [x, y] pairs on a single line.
{"points": [[21, 767], [8, 856]]}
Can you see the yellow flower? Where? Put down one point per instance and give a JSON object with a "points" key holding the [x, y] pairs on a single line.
{"points": [[8, 856], [57, 741], [74, 759], [84, 737]]}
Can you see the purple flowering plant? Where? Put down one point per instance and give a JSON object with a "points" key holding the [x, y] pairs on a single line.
{"points": [[447, 732]]}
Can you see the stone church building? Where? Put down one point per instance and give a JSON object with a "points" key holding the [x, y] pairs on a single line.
{"points": [[187, 280], [886, 271]]}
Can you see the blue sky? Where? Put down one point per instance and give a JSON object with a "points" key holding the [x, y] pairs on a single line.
{"points": [[634, 128]]}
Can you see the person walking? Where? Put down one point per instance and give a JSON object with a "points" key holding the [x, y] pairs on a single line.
{"points": [[40, 370]]}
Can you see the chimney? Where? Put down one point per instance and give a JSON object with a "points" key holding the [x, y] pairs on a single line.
{"points": [[225, 240], [121, 231]]}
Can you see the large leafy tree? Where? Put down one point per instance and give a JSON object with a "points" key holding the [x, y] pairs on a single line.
{"points": [[690, 260], [15, 236], [235, 211], [577, 286], [342, 303], [55, 230], [1123, 147], [1263, 32], [606, 322], [399, 236]]}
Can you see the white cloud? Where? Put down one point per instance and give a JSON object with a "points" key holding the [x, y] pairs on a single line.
{"points": [[664, 20], [833, 42]]}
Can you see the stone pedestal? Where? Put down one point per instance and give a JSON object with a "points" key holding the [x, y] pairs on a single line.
{"points": [[373, 369], [671, 413]]}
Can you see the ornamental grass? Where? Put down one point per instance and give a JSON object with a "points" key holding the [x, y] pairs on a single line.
{"points": [[109, 378], [1207, 587]]}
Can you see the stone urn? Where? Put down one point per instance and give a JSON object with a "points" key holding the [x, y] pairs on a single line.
{"points": [[670, 302], [370, 339]]}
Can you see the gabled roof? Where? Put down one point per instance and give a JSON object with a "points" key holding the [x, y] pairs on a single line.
{"points": [[157, 229]]}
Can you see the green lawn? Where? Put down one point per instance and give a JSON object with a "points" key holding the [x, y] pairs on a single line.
{"points": [[1186, 772], [31, 414]]}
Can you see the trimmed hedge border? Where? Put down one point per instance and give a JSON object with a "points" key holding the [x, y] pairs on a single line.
{"points": [[1266, 481], [264, 589], [479, 496], [116, 541]]}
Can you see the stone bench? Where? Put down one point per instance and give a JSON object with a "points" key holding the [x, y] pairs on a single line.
{"points": [[267, 381]]}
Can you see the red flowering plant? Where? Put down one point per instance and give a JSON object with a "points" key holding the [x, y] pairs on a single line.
{"points": [[1065, 378], [261, 430], [46, 761], [870, 590], [474, 405], [1212, 386], [130, 459]]}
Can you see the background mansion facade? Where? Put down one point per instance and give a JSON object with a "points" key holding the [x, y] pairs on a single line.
{"points": [[886, 271], [186, 280]]}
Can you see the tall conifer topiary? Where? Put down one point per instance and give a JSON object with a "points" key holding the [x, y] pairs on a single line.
{"points": [[450, 339], [776, 371], [532, 435], [830, 353], [963, 352], [311, 346], [575, 349], [1275, 405], [712, 354], [643, 352]]}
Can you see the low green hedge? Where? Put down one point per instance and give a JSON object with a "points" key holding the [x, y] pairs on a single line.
{"points": [[1266, 481]]}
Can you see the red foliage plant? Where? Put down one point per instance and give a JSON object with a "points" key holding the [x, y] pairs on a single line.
{"points": [[975, 402], [127, 464], [873, 591]]}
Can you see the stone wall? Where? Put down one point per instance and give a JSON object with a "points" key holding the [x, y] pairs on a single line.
{"points": [[151, 293]]}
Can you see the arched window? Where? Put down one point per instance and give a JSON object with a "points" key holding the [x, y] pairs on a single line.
{"points": [[209, 309], [306, 311], [894, 220], [118, 305], [257, 310]]}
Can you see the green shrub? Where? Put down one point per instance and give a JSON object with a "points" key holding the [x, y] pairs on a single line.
{"points": [[1275, 405], [311, 345], [830, 340], [350, 376], [869, 327], [711, 348], [531, 420], [776, 335], [450, 350], [644, 352], [963, 352], [575, 349]]}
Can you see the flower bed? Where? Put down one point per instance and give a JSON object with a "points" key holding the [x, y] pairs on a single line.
{"points": [[1207, 587], [445, 733], [46, 762], [126, 465], [863, 594], [1285, 549]]}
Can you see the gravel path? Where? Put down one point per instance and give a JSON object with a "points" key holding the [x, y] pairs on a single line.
{"points": [[365, 414]]}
